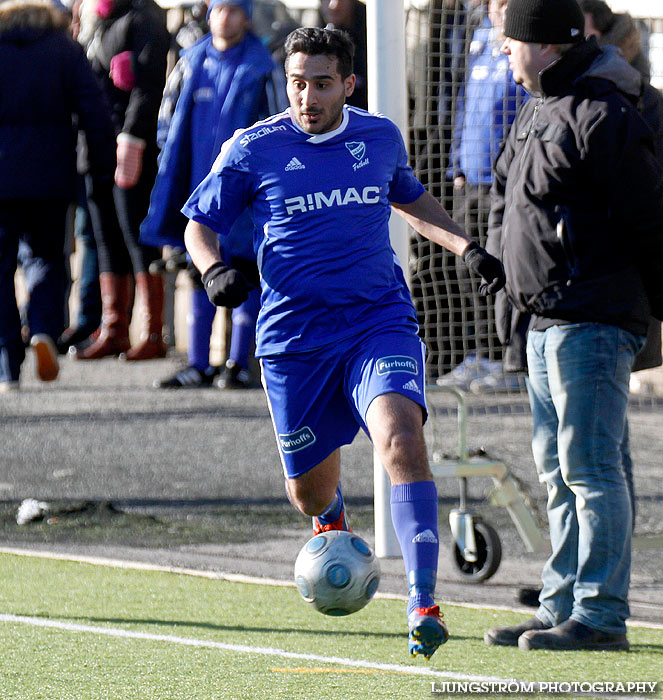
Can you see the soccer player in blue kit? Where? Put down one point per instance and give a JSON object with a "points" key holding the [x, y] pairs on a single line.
{"points": [[337, 331]]}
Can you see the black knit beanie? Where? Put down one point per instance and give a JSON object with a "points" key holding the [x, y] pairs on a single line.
{"points": [[544, 21]]}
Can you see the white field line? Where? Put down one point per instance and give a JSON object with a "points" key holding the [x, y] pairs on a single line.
{"points": [[237, 648], [254, 580], [274, 652], [242, 648]]}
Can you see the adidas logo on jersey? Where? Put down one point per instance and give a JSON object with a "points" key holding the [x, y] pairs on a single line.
{"points": [[295, 164], [425, 536], [411, 386]]}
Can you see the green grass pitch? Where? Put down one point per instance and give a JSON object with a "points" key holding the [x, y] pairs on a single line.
{"points": [[71, 630]]}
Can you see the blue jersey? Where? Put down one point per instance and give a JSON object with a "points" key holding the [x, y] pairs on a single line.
{"points": [[321, 207]]}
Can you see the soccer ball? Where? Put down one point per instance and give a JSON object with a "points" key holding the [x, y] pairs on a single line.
{"points": [[337, 573]]}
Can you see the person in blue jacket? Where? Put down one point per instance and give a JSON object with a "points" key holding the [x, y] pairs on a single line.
{"points": [[47, 91], [225, 81], [487, 105]]}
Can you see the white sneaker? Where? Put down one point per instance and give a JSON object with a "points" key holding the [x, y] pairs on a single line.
{"points": [[9, 386], [501, 383], [471, 368]]}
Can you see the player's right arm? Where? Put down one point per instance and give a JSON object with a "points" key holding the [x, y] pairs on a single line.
{"points": [[202, 245], [212, 208], [224, 285]]}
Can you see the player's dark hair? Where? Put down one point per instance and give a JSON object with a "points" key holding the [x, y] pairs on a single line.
{"points": [[314, 41]]}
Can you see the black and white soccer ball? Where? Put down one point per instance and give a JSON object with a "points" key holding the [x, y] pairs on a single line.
{"points": [[337, 573]]}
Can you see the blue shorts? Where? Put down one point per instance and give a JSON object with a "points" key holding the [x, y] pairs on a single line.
{"points": [[318, 399]]}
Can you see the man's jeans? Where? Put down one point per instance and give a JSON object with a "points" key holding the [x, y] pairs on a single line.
{"points": [[578, 388]]}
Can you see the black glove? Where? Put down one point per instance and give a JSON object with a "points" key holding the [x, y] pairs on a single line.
{"points": [[490, 269], [225, 286]]}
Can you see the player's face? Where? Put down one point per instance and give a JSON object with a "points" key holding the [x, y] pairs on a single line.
{"points": [[228, 25], [317, 92], [527, 60]]}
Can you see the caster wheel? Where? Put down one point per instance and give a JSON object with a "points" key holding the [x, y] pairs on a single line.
{"points": [[489, 554]]}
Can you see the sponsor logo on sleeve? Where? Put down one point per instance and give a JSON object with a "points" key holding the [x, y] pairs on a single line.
{"points": [[397, 363], [264, 131], [299, 440]]}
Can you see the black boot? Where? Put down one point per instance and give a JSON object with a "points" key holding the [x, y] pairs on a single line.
{"points": [[572, 636], [508, 636]]}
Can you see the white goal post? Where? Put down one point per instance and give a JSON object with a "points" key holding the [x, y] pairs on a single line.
{"points": [[387, 94]]}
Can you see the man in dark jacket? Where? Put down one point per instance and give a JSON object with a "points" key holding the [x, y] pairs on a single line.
{"points": [[46, 86], [578, 220]]}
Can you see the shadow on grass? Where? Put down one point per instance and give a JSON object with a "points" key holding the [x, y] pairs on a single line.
{"points": [[231, 628]]}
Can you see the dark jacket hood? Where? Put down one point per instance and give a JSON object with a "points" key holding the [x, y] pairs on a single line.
{"points": [[624, 33], [24, 22], [611, 65], [587, 61]]}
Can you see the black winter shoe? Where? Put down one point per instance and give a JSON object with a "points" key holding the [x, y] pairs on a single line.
{"points": [[572, 636], [188, 378], [529, 596], [508, 636], [234, 377], [74, 336]]}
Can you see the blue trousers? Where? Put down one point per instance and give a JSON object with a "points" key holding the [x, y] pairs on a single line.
{"points": [[40, 226], [578, 389], [89, 309]]}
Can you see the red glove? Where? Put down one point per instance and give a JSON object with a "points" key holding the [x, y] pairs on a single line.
{"points": [[129, 160], [121, 72]]}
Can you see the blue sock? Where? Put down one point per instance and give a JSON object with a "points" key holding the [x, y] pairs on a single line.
{"points": [[199, 325], [414, 514], [244, 329], [333, 511]]}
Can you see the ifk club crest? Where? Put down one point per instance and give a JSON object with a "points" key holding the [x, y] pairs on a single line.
{"points": [[356, 148]]}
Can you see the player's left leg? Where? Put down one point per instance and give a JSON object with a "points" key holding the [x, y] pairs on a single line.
{"points": [[395, 426], [385, 381]]}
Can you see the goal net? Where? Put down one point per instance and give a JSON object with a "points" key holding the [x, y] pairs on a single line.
{"points": [[449, 43]]}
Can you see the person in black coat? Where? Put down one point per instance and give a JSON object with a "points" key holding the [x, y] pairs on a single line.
{"points": [[128, 50], [47, 91]]}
